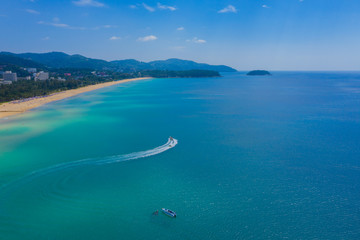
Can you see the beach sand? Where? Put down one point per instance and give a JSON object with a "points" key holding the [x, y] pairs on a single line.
{"points": [[17, 107]]}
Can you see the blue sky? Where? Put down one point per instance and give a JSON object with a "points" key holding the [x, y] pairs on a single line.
{"points": [[245, 34]]}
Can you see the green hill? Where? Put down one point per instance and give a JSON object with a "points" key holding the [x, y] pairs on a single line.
{"points": [[9, 58], [129, 65], [175, 64], [63, 60]]}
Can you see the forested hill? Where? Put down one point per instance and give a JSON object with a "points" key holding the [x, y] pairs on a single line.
{"points": [[63, 60], [6, 59], [183, 65]]}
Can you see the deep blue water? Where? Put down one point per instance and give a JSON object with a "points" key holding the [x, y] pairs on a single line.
{"points": [[273, 157]]}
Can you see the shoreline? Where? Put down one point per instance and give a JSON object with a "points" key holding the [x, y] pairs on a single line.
{"points": [[20, 106]]}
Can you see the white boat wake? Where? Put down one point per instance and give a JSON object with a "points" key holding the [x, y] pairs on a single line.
{"points": [[98, 161]]}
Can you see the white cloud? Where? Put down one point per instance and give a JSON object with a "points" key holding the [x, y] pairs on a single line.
{"points": [[3, 15], [153, 9], [147, 38], [46, 38], [228, 9], [61, 25], [147, 7], [115, 38], [56, 23], [197, 40], [180, 29], [90, 3], [164, 7], [32, 11], [265, 6], [103, 27]]}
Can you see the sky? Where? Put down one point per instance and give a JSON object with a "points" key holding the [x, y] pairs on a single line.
{"points": [[244, 34]]}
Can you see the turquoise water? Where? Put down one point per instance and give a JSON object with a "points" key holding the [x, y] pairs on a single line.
{"points": [[257, 158]]}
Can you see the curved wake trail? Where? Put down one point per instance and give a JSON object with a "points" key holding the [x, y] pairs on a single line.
{"points": [[96, 161]]}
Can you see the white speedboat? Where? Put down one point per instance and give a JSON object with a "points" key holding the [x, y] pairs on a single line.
{"points": [[169, 212], [171, 142]]}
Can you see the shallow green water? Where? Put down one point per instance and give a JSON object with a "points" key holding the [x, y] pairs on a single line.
{"points": [[257, 158]]}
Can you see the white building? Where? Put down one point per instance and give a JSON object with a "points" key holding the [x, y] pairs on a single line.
{"points": [[5, 82], [9, 76], [24, 78], [42, 76]]}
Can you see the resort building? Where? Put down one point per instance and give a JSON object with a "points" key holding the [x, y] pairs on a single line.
{"points": [[42, 76], [5, 82], [9, 76], [24, 78]]}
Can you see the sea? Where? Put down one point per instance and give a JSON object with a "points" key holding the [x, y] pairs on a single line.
{"points": [[255, 157]]}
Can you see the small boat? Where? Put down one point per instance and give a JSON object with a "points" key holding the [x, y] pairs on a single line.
{"points": [[169, 212], [171, 144]]}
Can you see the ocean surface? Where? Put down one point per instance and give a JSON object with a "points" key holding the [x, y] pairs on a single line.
{"points": [[270, 157]]}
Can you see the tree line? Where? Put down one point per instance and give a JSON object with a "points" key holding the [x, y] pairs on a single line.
{"points": [[83, 77]]}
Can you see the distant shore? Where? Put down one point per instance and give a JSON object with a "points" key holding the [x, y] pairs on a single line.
{"points": [[20, 106]]}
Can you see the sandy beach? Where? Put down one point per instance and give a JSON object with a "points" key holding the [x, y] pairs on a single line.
{"points": [[20, 106]]}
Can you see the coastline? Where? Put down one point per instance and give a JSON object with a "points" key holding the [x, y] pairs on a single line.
{"points": [[20, 106]]}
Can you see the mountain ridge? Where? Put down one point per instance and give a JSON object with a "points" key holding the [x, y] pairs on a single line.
{"points": [[63, 60]]}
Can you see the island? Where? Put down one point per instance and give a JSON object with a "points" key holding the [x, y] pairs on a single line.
{"points": [[258, 73]]}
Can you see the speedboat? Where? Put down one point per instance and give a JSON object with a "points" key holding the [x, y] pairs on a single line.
{"points": [[171, 144], [169, 212]]}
